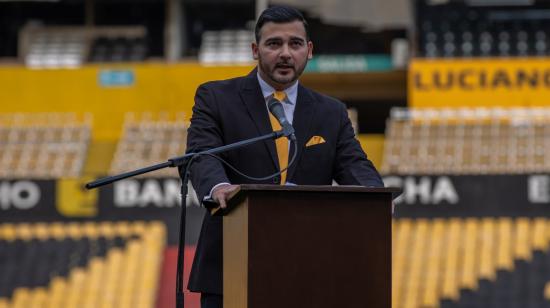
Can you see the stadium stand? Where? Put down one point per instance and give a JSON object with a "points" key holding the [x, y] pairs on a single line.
{"points": [[226, 47], [471, 262], [119, 49], [94, 264], [458, 29], [467, 141], [148, 139], [43, 145], [497, 260], [71, 46], [56, 50]]}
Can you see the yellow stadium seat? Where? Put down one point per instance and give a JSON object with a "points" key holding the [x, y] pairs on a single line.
{"points": [[8, 232], [77, 278], [469, 255], [547, 291], [411, 286], [487, 265], [451, 266], [540, 235], [522, 243], [90, 230], [504, 248], [107, 304], [74, 230], [41, 231], [24, 231], [433, 261], [106, 229], [123, 228], [138, 228], [21, 298], [38, 298]]}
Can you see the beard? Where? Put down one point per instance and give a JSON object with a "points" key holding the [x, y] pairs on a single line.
{"points": [[282, 79]]}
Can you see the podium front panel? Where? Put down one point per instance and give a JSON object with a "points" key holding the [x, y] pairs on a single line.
{"points": [[310, 249]]}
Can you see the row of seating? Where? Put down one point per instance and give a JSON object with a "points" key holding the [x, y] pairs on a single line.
{"points": [[456, 29], [118, 49], [55, 50], [54, 145], [43, 145], [471, 262], [81, 264], [54, 47], [467, 141], [152, 138], [149, 139], [226, 47]]}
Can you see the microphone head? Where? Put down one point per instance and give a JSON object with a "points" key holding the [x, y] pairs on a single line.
{"points": [[276, 108], [272, 102]]}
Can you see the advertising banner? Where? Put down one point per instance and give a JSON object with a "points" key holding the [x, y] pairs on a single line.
{"points": [[130, 200], [479, 82], [472, 195]]}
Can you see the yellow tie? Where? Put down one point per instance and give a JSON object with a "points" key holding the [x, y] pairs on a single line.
{"points": [[281, 143]]}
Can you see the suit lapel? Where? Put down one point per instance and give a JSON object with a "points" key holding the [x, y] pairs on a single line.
{"points": [[303, 115], [252, 96]]}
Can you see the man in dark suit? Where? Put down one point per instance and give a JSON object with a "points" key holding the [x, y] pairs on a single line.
{"points": [[232, 110]]}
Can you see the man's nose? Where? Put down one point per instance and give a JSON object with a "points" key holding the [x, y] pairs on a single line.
{"points": [[285, 51]]}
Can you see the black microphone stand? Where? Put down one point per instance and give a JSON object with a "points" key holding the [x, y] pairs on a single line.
{"points": [[183, 162]]}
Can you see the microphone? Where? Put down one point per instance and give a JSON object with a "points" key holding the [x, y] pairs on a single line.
{"points": [[276, 109]]}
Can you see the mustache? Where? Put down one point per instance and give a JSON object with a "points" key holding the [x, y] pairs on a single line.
{"points": [[284, 65]]}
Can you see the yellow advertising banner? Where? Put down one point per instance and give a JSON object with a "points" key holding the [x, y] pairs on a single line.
{"points": [[479, 82]]}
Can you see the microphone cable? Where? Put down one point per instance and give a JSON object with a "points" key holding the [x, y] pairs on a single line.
{"points": [[241, 173]]}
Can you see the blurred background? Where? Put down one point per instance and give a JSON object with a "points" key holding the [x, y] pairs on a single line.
{"points": [[449, 98]]}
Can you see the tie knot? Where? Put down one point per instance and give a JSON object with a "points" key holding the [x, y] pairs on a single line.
{"points": [[279, 95]]}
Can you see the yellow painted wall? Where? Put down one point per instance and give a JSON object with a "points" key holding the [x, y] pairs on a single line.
{"points": [[158, 87], [373, 145]]}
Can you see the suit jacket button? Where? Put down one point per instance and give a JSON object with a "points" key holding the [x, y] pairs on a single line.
{"points": [[277, 180]]}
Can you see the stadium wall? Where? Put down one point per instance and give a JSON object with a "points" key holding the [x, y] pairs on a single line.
{"points": [[108, 91]]}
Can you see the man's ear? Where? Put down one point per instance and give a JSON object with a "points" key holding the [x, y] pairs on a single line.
{"points": [[254, 47], [310, 50]]}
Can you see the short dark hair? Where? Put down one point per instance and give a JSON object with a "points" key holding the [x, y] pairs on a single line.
{"points": [[279, 14]]}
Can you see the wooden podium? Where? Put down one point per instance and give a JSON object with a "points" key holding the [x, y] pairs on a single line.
{"points": [[307, 246]]}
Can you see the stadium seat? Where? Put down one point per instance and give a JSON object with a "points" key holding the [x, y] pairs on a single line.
{"points": [[79, 267], [470, 262], [43, 145], [226, 47], [467, 141], [149, 139]]}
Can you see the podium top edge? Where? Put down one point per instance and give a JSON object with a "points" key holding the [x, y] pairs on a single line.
{"points": [[393, 191], [319, 188]]}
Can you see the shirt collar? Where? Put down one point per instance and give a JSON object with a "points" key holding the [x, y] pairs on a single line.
{"points": [[267, 90]]}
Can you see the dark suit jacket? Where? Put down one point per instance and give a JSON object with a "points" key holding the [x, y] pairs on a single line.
{"points": [[233, 110]]}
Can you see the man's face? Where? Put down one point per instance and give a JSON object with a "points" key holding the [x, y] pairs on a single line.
{"points": [[282, 53]]}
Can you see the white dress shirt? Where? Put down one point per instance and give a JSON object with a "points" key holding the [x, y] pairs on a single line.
{"points": [[290, 101]]}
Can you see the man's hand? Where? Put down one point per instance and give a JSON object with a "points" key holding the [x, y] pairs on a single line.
{"points": [[222, 193]]}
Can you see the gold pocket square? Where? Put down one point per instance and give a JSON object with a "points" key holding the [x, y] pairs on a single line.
{"points": [[315, 140]]}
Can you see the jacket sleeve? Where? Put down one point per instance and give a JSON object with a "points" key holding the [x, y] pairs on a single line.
{"points": [[205, 133], [351, 165]]}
